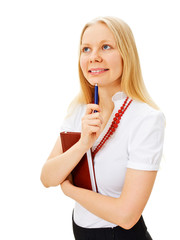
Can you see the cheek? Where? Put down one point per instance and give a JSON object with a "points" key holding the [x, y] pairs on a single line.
{"points": [[83, 64], [117, 64]]}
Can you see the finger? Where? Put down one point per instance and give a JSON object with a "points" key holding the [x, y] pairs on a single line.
{"points": [[94, 116], [91, 107], [94, 122], [93, 129]]}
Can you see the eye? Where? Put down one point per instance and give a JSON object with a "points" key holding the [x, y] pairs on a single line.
{"points": [[86, 49], [106, 47]]}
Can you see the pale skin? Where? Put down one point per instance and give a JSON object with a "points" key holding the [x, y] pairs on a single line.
{"points": [[99, 51]]}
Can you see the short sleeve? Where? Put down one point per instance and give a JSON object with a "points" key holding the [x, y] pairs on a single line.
{"points": [[146, 142], [72, 122]]}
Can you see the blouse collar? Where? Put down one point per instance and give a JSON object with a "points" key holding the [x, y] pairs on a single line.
{"points": [[118, 96]]}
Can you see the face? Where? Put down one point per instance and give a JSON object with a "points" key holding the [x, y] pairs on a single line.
{"points": [[100, 59]]}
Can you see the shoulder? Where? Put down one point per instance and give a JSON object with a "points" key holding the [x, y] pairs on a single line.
{"points": [[145, 120], [146, 137], [142, 112], [72, 121]]}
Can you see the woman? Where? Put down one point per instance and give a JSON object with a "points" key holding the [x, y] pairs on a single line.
{"points": [[126, 164]]}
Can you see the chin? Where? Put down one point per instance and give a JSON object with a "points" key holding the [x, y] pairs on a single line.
{"points": [[92, 82], [96, 80]]}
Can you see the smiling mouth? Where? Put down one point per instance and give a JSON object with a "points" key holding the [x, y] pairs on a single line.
{"points": [[98, 71]]}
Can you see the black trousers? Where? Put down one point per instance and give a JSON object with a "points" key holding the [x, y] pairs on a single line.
{"points": [[137, 232]]}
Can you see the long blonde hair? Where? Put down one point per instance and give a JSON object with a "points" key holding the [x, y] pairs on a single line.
{"points": [[132, 83]]}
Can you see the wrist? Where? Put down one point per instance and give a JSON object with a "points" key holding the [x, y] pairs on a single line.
{"points": [[83, 147]]}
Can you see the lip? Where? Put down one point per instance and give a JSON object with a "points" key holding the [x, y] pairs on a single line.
{"points": [[97, 71]]}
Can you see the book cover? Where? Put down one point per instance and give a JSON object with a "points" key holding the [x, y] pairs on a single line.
{"points": [[83, 174]]}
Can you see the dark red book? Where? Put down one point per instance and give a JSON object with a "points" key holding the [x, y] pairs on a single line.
{"points": [[83, 174]]}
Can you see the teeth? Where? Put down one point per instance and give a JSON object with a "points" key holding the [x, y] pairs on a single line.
{"points": [[96, 71]]}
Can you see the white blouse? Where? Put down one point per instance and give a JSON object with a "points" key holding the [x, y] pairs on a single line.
{"points": [[137, 143]]}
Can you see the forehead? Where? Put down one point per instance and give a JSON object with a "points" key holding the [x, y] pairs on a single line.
{"points": [[97, 32]]}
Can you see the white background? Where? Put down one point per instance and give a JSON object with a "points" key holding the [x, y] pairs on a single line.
{"points": [[39, 77]]}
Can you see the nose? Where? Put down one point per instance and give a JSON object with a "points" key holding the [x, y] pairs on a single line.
{"points": [[95, 57]]}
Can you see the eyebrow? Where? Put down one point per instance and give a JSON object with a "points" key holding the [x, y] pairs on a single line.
{"points": [[103, 41]]}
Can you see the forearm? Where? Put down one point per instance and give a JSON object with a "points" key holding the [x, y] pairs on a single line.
{"points": [[105, 207], [55, 170], [125, 210]]}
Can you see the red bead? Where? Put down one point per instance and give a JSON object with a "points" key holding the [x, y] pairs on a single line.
{"points": [[113, 127]]}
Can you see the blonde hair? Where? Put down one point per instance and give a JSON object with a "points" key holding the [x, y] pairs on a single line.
{"points": [[132, 83]]}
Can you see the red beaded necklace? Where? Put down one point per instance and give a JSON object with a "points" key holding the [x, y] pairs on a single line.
{"points": [[114, 125]]}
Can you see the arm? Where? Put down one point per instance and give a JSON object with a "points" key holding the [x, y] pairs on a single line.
{"points": [[124, 211], [59, 165]]}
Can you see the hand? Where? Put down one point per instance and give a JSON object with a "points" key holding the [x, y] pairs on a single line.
{"points": [[67, 185], [91, 125]]}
